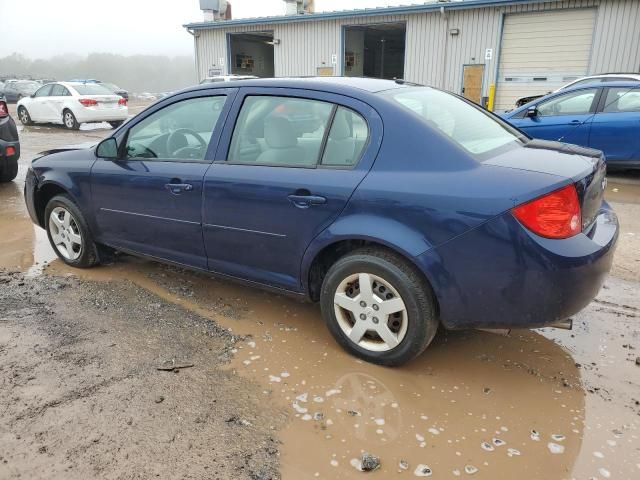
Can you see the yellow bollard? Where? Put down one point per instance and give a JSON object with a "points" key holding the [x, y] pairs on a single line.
{"points": [[492, 96]]}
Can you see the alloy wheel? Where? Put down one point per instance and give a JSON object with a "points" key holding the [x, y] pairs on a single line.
{"points": [[24, 116], [65, 233], [68, 120], [371, 312]]}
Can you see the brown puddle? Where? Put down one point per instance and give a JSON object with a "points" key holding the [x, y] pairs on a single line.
{"points": [[521, 395]]}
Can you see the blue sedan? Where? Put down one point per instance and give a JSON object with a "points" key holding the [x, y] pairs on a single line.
{"points": [[398, 208], [603, 116]]}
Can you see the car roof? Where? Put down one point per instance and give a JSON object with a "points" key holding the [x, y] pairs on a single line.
{"points": [[330, 84], [605, 75]]}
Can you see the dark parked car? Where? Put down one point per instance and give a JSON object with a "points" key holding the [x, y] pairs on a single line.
{"points": [[605, 116], [14, 90], [398, 207], [9, 144]]}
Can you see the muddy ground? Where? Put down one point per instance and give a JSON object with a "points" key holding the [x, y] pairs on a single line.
{"points": [[264, 391]]}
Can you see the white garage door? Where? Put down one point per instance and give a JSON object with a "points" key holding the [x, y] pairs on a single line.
{"points": [[542, 51]]}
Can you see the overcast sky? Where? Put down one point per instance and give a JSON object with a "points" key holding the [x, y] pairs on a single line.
{"points": [[44, 28]]}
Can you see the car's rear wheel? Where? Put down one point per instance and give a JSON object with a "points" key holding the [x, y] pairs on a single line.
{"points": [[24, 116], [378, 306], [69, 234], [8, 170], [69, 120], [116, 124]]}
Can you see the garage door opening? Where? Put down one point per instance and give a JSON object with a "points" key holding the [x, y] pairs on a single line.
{"points": [[251, 54], [375, 50]]}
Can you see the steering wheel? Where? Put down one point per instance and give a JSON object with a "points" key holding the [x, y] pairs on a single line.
{"points": [[175, 148]]}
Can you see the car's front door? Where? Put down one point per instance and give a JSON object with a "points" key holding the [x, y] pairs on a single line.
{"points": [[150, 200], [616, 126], [284, 171], [566, 117], [38, 109]]}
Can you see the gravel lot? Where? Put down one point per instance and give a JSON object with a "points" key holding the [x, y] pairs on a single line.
{"points": [[259, 390]]}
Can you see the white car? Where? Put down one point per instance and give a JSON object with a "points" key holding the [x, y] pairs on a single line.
{"points": [[226, 78], [72, 104]]}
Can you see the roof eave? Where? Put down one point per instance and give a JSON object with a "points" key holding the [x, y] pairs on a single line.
{"points": [[367, 12]]}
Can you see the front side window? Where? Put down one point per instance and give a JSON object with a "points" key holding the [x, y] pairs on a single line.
{"points": [[347, 138], [44, 91], [467, 125], [280, 131], [180, 131], [572, 103], [622, 99]]}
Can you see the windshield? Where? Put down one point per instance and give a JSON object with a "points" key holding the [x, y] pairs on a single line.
{"points": [[468, 125], [92, 89]]}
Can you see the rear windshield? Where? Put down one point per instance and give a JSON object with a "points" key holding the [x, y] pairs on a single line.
{"points": [[467, 125], [92, 89]]}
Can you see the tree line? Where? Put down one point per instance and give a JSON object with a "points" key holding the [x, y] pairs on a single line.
{"points": [[136, 73]]}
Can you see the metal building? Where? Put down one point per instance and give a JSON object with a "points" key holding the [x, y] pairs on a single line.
{"points": [[522, 47]]}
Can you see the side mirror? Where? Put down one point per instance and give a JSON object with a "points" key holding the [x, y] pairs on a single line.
{"points": [[532, 112], [108, 148]]}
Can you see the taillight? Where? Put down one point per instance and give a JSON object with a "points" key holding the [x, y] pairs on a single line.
{"points": [[122, 101], [10, 151], [554, 215], [88, 102], [4, 111]]}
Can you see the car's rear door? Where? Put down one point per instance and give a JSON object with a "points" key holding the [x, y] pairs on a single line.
{"points": [[288, 162], [566, 117], [150, 200], [616, 126], [55, 102]]}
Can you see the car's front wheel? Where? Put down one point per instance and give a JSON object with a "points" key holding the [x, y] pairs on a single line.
{"points": [[69, 120], [24, 116], [69, 234], [378, 306]]}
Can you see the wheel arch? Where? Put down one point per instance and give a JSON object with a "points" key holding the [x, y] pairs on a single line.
{"points": [[45, 193], [317, 264]]}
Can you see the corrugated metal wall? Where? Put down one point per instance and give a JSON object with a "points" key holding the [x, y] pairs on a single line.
{"points": [[433, 56]]}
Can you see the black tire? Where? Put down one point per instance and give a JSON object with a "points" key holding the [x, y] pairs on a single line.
{"points": [[415, 292], [88, 253], [116, 124], [8, 170], [23, 115], [69, 120]]}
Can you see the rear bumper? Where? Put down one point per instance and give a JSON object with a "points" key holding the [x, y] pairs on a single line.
{"points": [[500, 275], [8, 138], [91, 114]]}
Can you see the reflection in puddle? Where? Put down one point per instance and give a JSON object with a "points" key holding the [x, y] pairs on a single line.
{"points": [[468, 406]]}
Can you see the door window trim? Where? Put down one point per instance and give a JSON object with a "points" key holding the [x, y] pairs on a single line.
{"points": [[323, 144]]}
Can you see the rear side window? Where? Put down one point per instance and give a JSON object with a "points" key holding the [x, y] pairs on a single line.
{"points": [[573, 103], [622, 99], [280, 131], [347, 138], [180, 131], [59, 91], [465, 124]]}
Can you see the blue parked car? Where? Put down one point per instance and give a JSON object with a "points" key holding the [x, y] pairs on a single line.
{"points": [[605, 116], [397, 207]]}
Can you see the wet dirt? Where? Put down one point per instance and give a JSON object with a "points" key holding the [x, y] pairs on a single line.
{"points": [[537, 404]]}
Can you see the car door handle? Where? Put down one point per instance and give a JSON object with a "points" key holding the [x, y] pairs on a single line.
{"points": [[305, 201], [575, 122], [177, 188]]}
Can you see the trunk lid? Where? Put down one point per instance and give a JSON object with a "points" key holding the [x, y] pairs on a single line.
{"points": [[585, 167]]}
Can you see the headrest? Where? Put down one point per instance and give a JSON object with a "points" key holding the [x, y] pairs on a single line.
{"points": [[278, 132]]}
